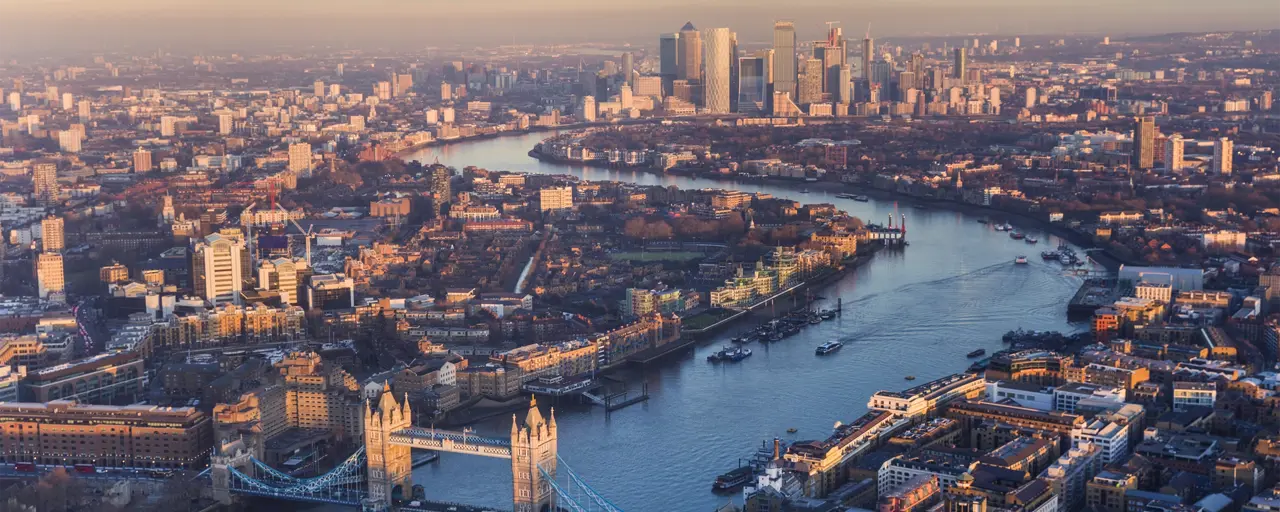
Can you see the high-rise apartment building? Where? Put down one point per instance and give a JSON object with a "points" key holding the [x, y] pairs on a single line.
{"points": [[784, 58], [218, 268], [318, 89], [809, 83], [51, 277], [44, 181], [168, 126], [52, 235], [225, 123], [689, 66], [300, 157], [440, 187], [142, 160], [960, 65], [587, 108], [1223, 151], [1143, 155], [1173, 148], [69, 141], [85, 110], [719, 66], [668, 60]]}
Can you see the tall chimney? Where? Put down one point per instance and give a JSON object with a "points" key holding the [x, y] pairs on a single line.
{"points": [[777, 448]]}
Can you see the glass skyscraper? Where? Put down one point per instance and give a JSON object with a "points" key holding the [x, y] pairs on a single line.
{"points": [[784, 58]]}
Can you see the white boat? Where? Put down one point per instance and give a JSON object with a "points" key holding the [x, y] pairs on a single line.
{"points": [[1020, 260], [828, 347]]}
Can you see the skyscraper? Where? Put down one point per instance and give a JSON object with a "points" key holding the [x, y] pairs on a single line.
{"points": [[958, 68], [868, 54], [689, 66], [668, 60], [44, 181], [628, 67], [1223, 152], [844, 85], [752, 87], [50, 277], [52, 234], [719, 66], [810, 83], [1144, 141], [784, 57], [318, 89]]}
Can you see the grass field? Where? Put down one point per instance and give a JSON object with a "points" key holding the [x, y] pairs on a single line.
{"points": [[705, 319], [657, 256]]}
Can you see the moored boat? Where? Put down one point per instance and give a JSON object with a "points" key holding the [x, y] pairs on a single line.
{"points": [[976, 353], [733, 478], [1033, 240]]}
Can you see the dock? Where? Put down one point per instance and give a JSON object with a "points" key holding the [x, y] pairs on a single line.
{"points": [[1093, 294], [614, 401]]}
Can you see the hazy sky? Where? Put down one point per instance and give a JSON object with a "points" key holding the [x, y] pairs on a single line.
{"points": [[33, 26]]}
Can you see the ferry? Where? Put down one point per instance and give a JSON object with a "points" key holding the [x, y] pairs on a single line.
{"points": [[861, 199], [845, 196], [733, 478], [1020, 260], [828, 347], [976, 353], [1033, 240]]}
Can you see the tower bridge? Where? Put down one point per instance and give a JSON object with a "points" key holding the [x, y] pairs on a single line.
{"points": [[380, 474]]}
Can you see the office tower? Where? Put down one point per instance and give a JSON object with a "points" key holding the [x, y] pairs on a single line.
{"points": [[300, 157], [85, 110], [959, 66], [868, 54], [335, 90], [51, 96], [810, 82], [52, 234], [752, 87], [225, 123], [625, 98], [331, 291], [50, 277], [1144, 140], [882, 75], [628, 67], [1223, 152], [168, 126], [339, 69], [649, 86], [68, 101], [683, 90], [218, 268], [15, 101], [318, 89], [44, 181], [1173, 148], [784, 58], [844, 85], [668, 60], [716, 89], [69, 141], [382, 90], [1031, 97], [587, 108], [141, 160], [1017, 42], [690, 44], [916, 65], [440, 183]]}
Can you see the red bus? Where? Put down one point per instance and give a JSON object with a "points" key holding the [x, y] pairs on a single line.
{"points": [[28, 467], [84, 468]]}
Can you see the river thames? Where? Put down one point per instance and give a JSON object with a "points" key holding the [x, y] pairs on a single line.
{"points": [[915, 312]]}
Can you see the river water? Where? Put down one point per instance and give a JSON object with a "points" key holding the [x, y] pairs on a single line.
{"points": [[915, 312]]}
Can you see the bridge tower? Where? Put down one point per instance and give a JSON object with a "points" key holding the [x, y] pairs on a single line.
{"points": [[231, 455], [390, 466], [532, 446]]}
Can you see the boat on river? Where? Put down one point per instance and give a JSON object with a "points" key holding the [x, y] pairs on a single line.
{"points": [[861, 199], [1020, 260], [976, 353], [733, 478], [828, 347], [1033, 240]]}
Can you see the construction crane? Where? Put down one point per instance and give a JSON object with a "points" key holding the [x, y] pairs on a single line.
{"points": [[306, 233]]}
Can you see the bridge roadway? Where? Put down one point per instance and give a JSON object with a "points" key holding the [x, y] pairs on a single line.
{"points": [[455, 442]]}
